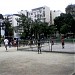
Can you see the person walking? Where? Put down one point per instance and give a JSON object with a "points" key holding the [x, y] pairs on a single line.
{"points": [[39, 47], [6, 43]]}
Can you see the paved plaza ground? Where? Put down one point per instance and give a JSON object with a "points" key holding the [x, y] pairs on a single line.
{"points": [[16, 62], [57, 47]]}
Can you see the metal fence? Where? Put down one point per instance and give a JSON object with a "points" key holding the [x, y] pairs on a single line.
{"points": [[48, 45]]}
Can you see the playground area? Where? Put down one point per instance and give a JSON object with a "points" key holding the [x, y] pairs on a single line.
{"points": [[47, 46], [16, 62]]}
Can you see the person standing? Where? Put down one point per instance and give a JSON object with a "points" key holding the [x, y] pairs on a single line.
{"points": [[62, 40], [52, 41], [15, 42], [39, 47], [6, 43]]}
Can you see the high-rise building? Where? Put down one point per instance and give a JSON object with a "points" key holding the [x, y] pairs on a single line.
{"points": [[12, 18], [54, 14], [41, 13], [24, 12]]}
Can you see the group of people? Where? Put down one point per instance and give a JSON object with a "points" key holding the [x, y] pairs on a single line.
{"points": [[9, 43], [62, 41]]}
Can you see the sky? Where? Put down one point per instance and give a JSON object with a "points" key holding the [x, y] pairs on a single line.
{"points": [[13, 6]]}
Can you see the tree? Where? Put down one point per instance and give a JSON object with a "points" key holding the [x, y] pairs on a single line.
{"points": [[64, 29], [64, 23], [73, 26], [40, 29], [52, 30], [1, 18], [24, 26], [37, 29], [45, 29], [8, 28]]}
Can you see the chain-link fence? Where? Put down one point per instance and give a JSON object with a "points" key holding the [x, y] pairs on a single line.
{"points": [[54, 45]]}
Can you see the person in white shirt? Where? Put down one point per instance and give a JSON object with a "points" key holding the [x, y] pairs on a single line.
{"points": [[6, 43]]}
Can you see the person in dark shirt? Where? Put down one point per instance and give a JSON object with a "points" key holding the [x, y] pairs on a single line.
{"points": [[62, 40], [39, 47]]}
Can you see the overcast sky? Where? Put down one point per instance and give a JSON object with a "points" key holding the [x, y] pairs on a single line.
{"points": [[13, 6]]}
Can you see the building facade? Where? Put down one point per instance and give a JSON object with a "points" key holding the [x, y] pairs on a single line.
{"points": [[12, 19], [54, 14], [44, 14], [41, 13], [24, 12]]}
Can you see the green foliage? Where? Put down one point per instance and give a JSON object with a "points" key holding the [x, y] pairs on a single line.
{"points": [[8, 28], [52, 29], [65, 23], [35, 28], [64, 29], [1, 16], [24, 25]]}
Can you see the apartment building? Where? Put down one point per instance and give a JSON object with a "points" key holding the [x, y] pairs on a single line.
{"points": [[1, 28], [24, 12], [9, 16], [41, 13], [54, 14], [44, 14], [12, 19]]}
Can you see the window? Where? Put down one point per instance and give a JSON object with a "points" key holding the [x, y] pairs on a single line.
{"points": [[44, 19], [43, 7], [35, 15], [40, 16], [40, 10], [43, 13], [31, 13]]}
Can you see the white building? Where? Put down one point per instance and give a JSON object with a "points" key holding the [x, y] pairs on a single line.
{"points": [[1, 29], [24, 12], [12, 19], [54, 14], [41, 13]]}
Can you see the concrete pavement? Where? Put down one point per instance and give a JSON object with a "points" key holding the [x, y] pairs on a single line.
{"points": [[16, 62], [57, 47]]}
